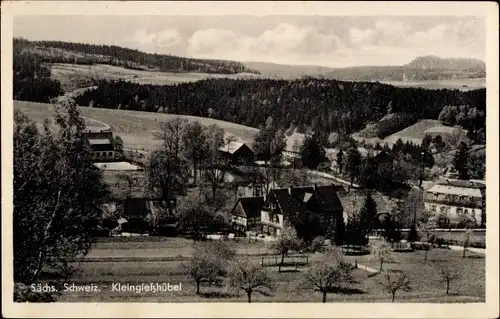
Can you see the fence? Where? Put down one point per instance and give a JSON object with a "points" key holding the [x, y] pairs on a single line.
{"points": [[273, 261]]}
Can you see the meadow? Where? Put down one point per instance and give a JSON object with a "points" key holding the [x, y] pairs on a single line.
{"points": [[137, 129], [115, 267], [74, 76]]}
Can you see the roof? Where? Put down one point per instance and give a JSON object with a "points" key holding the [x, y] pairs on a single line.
{"points": [[231, 147], [99, 141], [454, 190], [250, 206], [316, 198]]}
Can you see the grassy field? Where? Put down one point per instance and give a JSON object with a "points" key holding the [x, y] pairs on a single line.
{"points": [[74, 76], [426, 286], [414, 133], [137, 129]]}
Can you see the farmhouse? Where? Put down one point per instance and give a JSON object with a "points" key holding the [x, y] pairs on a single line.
{"points": [[101, 144], [284, 203], [246, 213], [237, 152], [451, 199]]}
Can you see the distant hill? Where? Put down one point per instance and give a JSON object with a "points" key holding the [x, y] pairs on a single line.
{"points": [[420, 69], [284, 71], [90, 54], [424, 68]]}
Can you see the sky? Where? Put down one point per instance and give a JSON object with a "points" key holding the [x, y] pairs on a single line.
{"points": [[334, 41]]}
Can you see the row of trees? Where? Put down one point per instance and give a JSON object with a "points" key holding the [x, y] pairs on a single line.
{"points": [[31, 78], [80, 53], [57, 194], [215, 263], [324, 105]]}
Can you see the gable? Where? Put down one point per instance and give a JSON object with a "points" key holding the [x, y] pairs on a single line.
{"points": [[320, 199]]}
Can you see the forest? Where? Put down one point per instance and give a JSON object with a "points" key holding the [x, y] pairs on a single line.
{"points": [[80, 53], [325, 105]]}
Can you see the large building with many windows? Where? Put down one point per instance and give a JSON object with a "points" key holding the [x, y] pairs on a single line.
{"points": [[454, 200]]}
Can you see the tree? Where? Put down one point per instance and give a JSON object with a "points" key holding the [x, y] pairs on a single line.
{"points": [[392, 283], [206, 264], [368, 215], [307, 225], [268, 146], [382, 252], [167, 167], [340, 160], [312, 154], [194, 140], [353, 163], [118, 145], [285, 242], [460, 161], [294, 177], [448, 274], [328, 274], [195, 214], [215, 163], [58, 193], [250, 277], [467, 238], [425, 228]]}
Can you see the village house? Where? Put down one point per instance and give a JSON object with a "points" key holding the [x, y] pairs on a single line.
{"points": [[101, 144], [453, 199], [246, 213], [237, 153], [281, 204]]}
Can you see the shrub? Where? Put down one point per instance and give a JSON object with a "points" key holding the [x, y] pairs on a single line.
{"points": [[317, 244]]}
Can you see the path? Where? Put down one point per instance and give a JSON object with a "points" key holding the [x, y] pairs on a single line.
{"points": [[481, 251], [330, 176]]}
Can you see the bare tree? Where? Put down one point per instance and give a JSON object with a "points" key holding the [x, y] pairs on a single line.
{"points": [[285, 242], [393, 282], [167, 167], [194, 139], [215, 163], [466, 240], [383, 253], [250, 277], [328, 273], [209, 261], [425, 228], [448, 274]]}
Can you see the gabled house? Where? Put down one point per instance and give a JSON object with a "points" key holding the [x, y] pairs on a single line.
{"points": [[246, 213], [237, 153], [282, 204]]}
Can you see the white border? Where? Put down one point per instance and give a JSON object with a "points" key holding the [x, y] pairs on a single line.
{"points": [[265, 310]]}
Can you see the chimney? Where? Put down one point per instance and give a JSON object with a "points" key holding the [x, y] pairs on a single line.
{"points": [[290, 190]]}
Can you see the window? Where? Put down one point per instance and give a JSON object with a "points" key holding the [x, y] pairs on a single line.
{"points": [[110, 153], [433, 208]]}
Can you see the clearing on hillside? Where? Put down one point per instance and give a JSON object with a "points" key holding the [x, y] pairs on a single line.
{"points": [[137, 129], [414, 133], [75, 76]]}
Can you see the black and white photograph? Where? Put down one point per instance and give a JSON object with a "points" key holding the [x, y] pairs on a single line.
{"points": [[335, 157]]}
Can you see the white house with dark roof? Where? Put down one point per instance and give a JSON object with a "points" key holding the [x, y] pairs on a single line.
{"points": [[454, 198], [101, 144]]}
